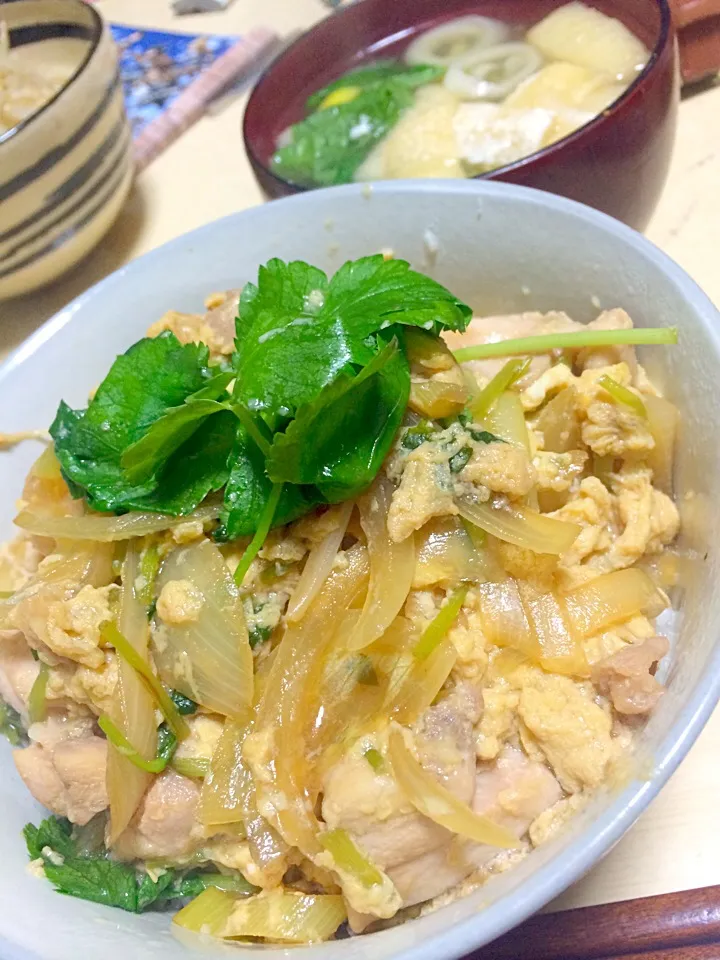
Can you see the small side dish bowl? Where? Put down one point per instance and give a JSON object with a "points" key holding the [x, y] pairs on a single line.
{"points": [[502, 249], [65, 169], [617, 163]]}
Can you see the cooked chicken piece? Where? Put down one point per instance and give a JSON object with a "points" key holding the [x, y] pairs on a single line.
{"points": [[425, 492], [627, 679], [18, 670], [59, 726], [571, 730], [371, 806], [444, 741], [502, 467], [511, 327], [163, 824], [512, 793], [216, 328], [68, 778]]}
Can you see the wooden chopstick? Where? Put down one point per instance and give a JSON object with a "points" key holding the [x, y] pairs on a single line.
{"points": [[675, 926]]}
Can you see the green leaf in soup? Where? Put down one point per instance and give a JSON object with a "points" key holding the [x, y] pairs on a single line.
{"points": [[248, 491], [339, 441], [153, 376], [366, 76], [327, 147]]}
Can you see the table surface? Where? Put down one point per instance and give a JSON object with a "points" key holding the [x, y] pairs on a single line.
{"points": [[676, 844]]}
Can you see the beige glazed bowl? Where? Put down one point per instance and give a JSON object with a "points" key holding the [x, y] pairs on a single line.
{"points": [[65, 170]]}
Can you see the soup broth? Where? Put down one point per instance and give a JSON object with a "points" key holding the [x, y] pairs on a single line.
{"points": [[466, 97]]}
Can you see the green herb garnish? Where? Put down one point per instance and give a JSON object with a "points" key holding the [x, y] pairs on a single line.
{"points": [[11, 725], [259, 634], [415, 436], [90, 875], [329, 145], [460, 460], [321, 385], [185, 706], [577, 339]]}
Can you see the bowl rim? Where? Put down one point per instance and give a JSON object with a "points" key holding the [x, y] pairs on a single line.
{"points": [[665, 34], [622, 811], [97, 26]]}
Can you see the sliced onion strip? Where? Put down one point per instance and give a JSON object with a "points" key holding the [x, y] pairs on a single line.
{"points": [[610, 598], [208, 656], [392, 567], [435, 801], [521, 526], [108, 528], [317, 567]]}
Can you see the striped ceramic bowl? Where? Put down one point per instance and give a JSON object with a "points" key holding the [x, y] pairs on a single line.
{"points": [[66, 169]]}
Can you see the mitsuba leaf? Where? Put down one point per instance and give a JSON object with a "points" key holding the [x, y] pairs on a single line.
{"points": [[153, 376], [296, 331], [94, 877], [339, 441], [363, 77], [142, 459], [372, 293], [327, 147], [248, 490], [197, 468]]}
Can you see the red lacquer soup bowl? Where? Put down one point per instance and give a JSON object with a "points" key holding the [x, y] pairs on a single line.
{"points": [[617, 162]]}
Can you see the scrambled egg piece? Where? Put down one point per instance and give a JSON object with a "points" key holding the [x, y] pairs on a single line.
{"points": [[571, 730], [593, 509], [92, 687], [551, 821], [651, 518], [497, 723], [502, 467], [549, 383], [469, 640], [558, 471], [73, 626], [425, 491], [609, 428], [179, 602]]}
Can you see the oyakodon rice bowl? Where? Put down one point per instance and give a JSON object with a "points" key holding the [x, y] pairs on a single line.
{"points": [[395, 625]]}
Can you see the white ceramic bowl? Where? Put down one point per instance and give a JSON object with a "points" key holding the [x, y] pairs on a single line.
{"points": [[501, 248]]}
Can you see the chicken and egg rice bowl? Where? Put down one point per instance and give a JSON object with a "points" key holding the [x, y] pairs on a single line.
{"points": [[335, 601]]}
